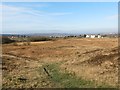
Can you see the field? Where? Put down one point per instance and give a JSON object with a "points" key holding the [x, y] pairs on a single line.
{"points": [[73, 62]]}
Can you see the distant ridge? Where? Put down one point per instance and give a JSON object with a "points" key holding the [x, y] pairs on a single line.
{"points": [[56, 34], [41, 34]]}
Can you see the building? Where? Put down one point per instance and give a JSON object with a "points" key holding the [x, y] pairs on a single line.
{"points": [[92, 36], [99, 36], [87, 36]]}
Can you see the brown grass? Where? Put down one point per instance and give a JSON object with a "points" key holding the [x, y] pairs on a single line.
{"points": [[92, 59]]}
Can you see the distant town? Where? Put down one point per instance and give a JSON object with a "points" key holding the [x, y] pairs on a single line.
{"points": [[9, 38], [63, 35]]}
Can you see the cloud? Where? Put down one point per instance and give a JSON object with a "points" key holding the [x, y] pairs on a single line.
{"points": [[21, 19], [17, 10], [33, 5], [18, 18], [12, 10], [15, 13], [60, 13], [25, 19]]}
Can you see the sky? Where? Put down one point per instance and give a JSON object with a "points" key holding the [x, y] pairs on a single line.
{"points": [[59, 17]]}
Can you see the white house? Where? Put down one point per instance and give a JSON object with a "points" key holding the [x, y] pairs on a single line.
{"points": [[87, 36], [99, 36], [92, 36]]}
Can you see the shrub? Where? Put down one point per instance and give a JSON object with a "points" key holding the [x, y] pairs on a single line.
{"points": [[6, 40], [15, 44], [35, 39], [26, 43]]}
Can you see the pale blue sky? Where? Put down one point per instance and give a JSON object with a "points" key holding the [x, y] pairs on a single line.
{"points": [[60, 17]]}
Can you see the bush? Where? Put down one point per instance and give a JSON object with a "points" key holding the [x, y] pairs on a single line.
{"points": [[26, 43], [35, 39], [15, 44], [6, 40]]}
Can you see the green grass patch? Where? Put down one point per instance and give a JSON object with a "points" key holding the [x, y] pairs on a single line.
{"points": [[66, 79]]}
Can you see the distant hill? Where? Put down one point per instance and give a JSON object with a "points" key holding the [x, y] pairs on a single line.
{"points": [[40, 34], [56, 34], [50, 34]]}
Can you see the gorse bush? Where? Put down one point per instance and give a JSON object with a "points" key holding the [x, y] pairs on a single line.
{"points": [[35, 39], [6, 40], [27, 40]]}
